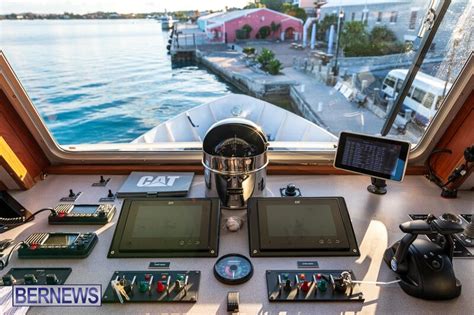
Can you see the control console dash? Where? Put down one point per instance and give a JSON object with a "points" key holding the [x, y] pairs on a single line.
{"points": [[155, 287], [312, 286]]}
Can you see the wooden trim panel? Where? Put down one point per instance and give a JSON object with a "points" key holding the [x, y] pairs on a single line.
{"points": [[197, 168], [17, 138], [457, 138]]}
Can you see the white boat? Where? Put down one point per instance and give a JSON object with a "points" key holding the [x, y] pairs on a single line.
{"points": [[278, 124], [166, 22]]}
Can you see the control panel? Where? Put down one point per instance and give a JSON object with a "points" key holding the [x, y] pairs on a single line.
{"points": [[35, 276], [68, 213], [58, 245], [312, 286], [157, 287]]}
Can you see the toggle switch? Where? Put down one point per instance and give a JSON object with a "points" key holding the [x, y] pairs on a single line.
{"points": [[52, 279], [30, 279], [8, 279]]}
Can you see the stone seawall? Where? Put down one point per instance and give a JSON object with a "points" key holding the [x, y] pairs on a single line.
{"points": [[249, 84]]}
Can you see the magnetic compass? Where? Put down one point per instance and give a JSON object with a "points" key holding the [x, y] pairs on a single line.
{"points": [[233, 269]]}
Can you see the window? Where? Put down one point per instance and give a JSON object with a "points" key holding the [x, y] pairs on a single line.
{"points": [[390, 81], [104, 83], [399, 86], [393, 16], [428, 100], [379, 16], [418, 95], [412, 22]]}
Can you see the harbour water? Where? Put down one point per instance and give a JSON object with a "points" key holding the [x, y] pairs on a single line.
{"points": [[103, 81]]}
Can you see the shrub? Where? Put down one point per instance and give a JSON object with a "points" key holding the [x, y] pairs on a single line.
{"points": [[265, 57], [247, 28], [382, 34], [264, 32], [274, 66], [248, 50], [244, 32]]}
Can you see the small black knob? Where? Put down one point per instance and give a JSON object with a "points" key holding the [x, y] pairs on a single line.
{"points": [[110, 194], [71, 194], [30, 279], [52, 279], [102, 180], [8, 279], [290, 190], [80, 245]]}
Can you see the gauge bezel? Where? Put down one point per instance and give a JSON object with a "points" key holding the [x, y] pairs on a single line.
{"points": [[233, 281]]}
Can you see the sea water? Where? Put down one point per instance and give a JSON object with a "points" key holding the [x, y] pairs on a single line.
{"points": [[103, 81]]}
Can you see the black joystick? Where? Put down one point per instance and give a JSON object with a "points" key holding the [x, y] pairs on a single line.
{"points": [[425, 268], [71, 194], [290, 191]]}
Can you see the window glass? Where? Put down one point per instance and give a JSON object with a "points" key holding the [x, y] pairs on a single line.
{"points": [[412, 22], [428, 100], [418, 95], [162, 72], [393, 16]]}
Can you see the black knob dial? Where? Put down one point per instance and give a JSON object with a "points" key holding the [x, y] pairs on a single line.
{"points": [[290, 190]]}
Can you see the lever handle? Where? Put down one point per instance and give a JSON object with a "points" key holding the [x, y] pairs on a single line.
{"points": [[416, 227]]}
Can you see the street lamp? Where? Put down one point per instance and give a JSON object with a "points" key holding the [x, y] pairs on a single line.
{"points": [[335, 69]]}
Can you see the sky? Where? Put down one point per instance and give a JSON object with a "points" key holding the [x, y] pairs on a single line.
{"points": [[120, 6]]}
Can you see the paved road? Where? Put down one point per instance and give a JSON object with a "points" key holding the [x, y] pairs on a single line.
{"points": [[333, 108]]}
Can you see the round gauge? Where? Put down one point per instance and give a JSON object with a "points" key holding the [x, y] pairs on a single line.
{"points": [[233, 269]]}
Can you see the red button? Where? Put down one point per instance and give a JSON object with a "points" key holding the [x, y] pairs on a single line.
{"points": [[318, 276], [160, 287], [305, 286], [33, 246], [61, 214], [302, 277]]}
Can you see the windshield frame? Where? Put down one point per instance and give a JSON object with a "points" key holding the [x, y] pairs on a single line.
{"points": [[118, 154]]}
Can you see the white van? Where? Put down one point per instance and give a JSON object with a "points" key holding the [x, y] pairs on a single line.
{"points": [[424, 97]]}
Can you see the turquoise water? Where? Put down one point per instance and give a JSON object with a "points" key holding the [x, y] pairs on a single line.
{"points": [[103, 81]]}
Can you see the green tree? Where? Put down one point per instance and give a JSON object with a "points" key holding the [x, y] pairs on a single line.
{"points": [[294, 10], [265, 57], [253, 5], [382, 34], [324, 25], [273, 4], [354, 33], [274, 28]]}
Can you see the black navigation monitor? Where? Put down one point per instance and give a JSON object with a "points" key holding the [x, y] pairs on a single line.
{"points": [[167, 228], [378, 157], [301, 226]]}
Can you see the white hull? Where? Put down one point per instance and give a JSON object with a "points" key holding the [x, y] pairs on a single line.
{"points": [[277, 123]]}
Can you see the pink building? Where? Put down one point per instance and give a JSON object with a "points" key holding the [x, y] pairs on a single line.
{"points": [[230, 26]]}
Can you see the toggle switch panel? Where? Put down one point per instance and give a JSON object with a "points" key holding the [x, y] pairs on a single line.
{"points": [[312, 286], [35, 276], [153, 286]]}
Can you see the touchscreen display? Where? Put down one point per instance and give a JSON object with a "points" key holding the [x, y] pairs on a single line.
{"points": [[60, 239], [379, 157], [300, 224], [305, 220], [160, 225], [87, 209], [163, 221]]}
